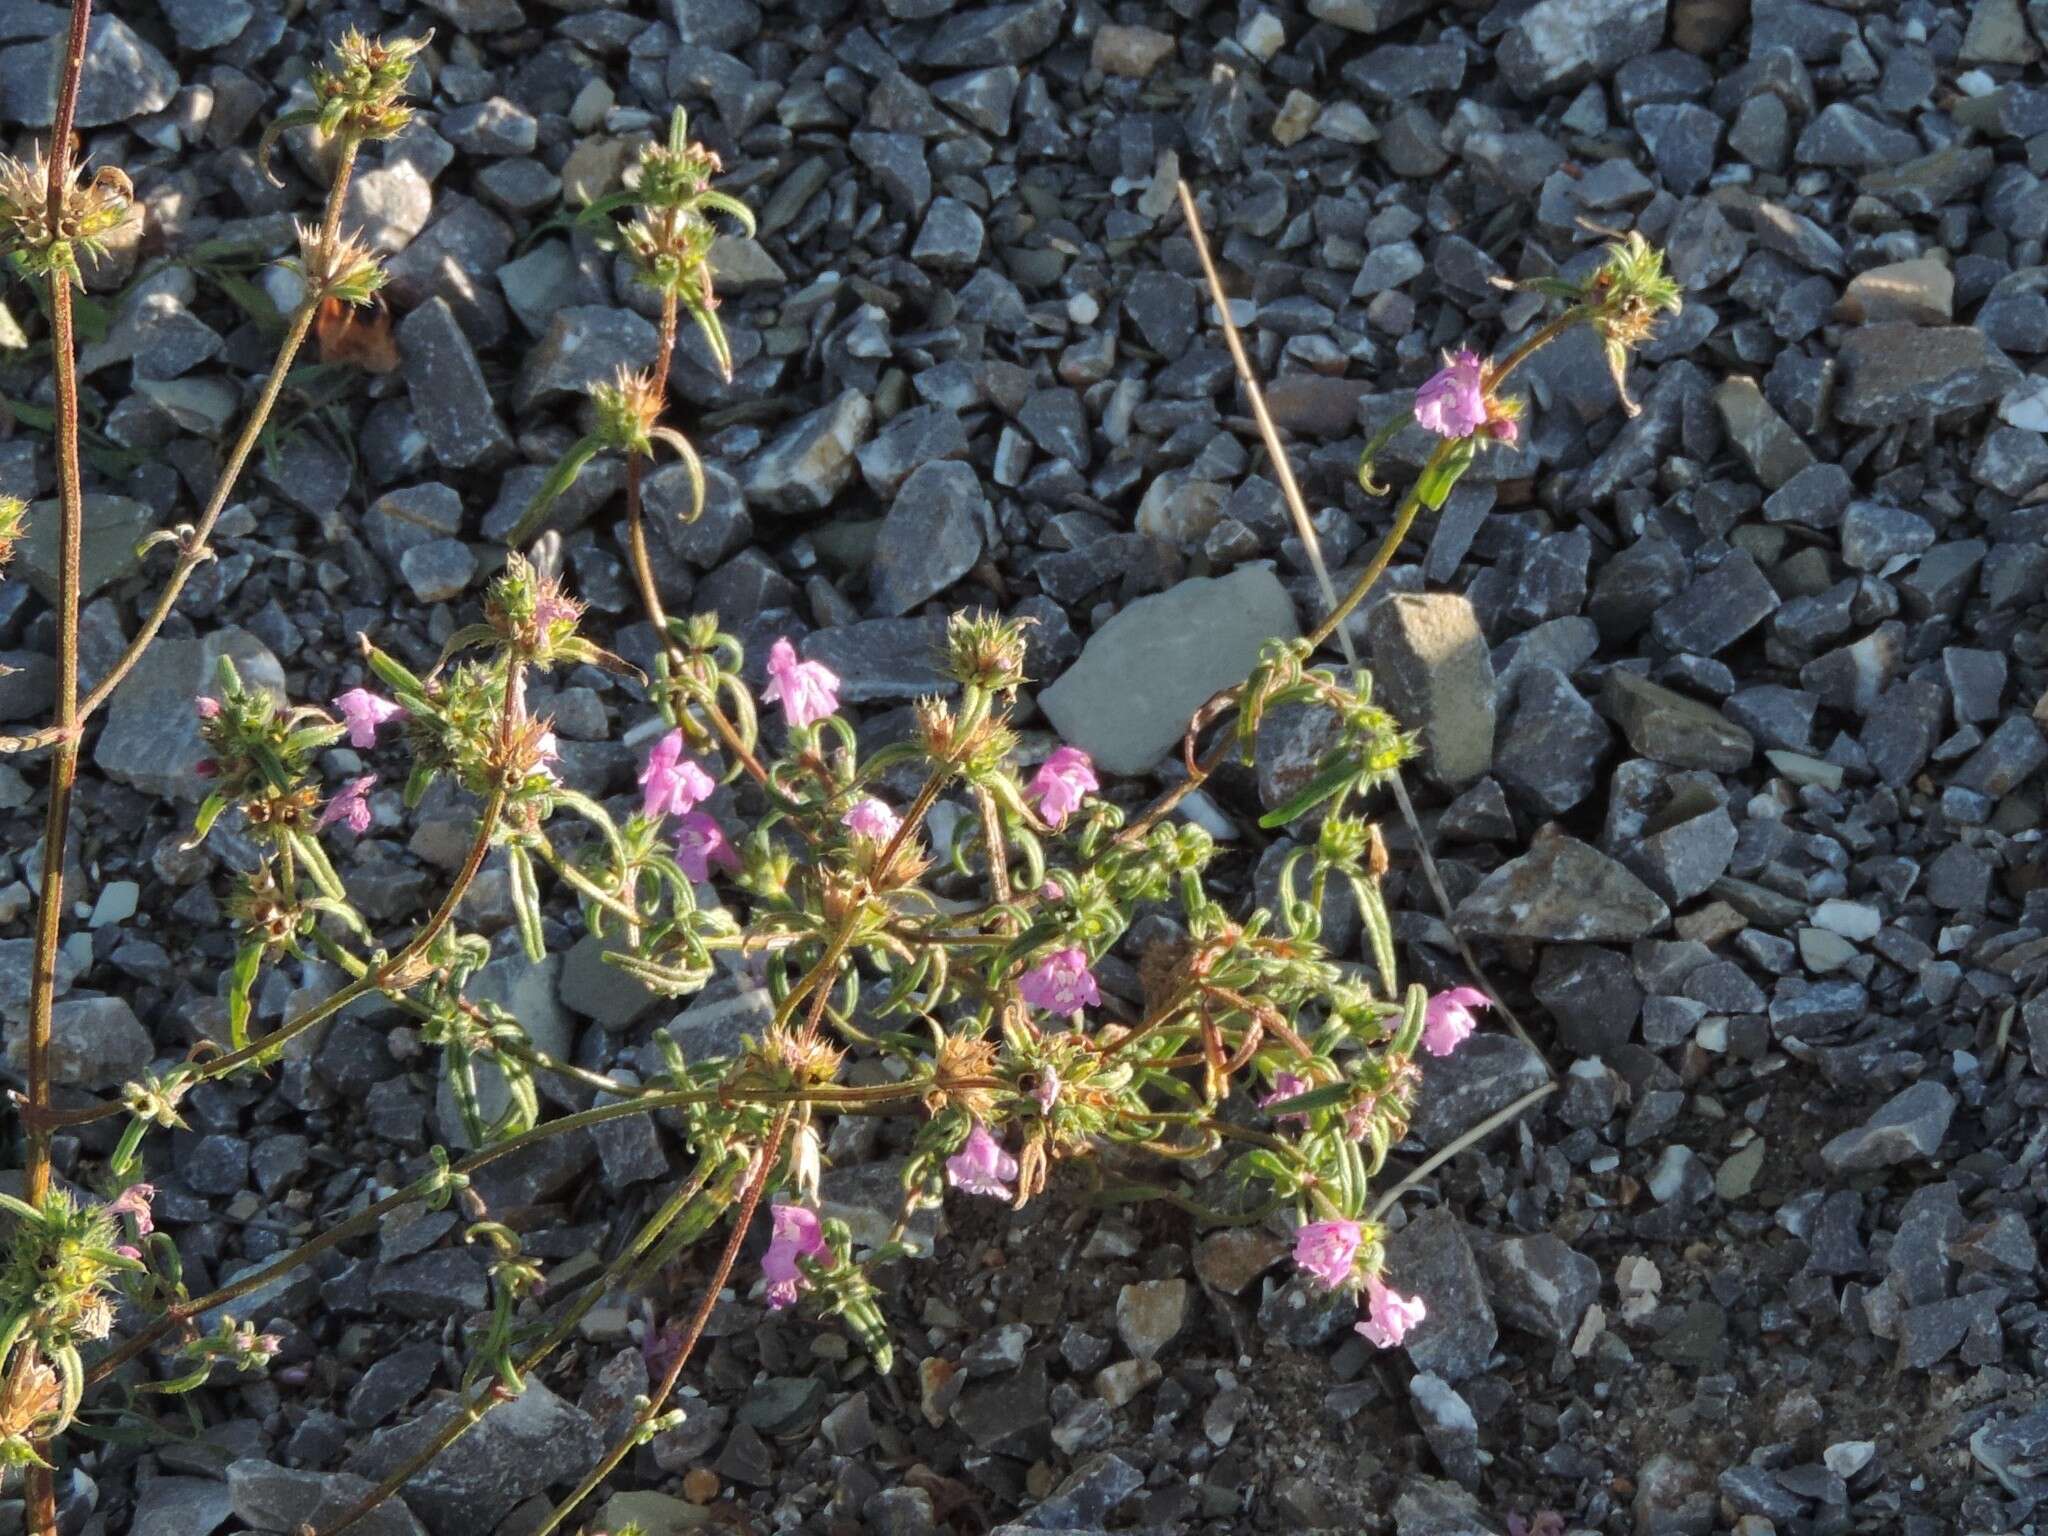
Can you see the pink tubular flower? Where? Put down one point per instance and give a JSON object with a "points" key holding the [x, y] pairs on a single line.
{"points": [[206, 708], [1061, 983], [701, 845], [134, 1201], [1286, 1086], [797, 1236], [129, 1252], [1452, 402], [1325, 1250], [351, 806], [1389, 1314], [1448, 1019], [1047, 1092], [1060, 784], [672, 783], [362, 712], [1504, 430], [807, 690], [871, 819], [982, 1167]]}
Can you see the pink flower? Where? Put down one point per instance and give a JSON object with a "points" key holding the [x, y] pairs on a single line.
{"points": [[207, 709], [797, 1236], [134, 1201], [1061, 983], [1286, 1086], [551, 608], [1060, 784], [547, 753], [672, 783], [1448, 1019], [351, 806], [129, 1252], [362, 711], [1047, 1092], [701, 843], [807, 690], [1358, 1118], [982, 1167], [1504, 429], [1325, 1250], [1452, 403], [1389, 1314], [871, 819]]}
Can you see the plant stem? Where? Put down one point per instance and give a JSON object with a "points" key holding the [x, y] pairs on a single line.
{"points": [[756, 1186], [40, 1486]]}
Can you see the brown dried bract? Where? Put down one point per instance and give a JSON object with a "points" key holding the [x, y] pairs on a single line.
{"points": [[358, 338]]}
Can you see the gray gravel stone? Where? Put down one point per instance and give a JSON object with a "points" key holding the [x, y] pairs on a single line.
{"points": [[1671, 728], [1894, 373], [151, 740], [1718, 608], [1431, 1257], [812, 461], [518, 1449], [1187, 643], [1564, 891], [1431, 668], [124, 78], [931, 537], [1540, 1285], [278, 1499], [1907, 1128], [1556, 45], [445, 383]]}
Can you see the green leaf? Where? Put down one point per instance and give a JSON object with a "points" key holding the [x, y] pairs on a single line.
{"points": [[241, 982], [393, 672], [1333, 780], [250, 299], [1414, 1008], [1442, 472], [1315, 1098], [558, 481]]}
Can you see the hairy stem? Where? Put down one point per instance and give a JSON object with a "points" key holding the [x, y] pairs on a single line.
{"points": [[757, 1185], [39, 1486]]}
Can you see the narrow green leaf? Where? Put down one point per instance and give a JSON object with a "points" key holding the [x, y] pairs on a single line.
{"points": [[1333, 780]]}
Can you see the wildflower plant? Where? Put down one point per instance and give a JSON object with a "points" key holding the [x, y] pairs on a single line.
{"points": [[760, 840]]}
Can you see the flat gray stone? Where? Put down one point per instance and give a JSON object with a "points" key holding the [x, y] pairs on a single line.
{"points": [[450, 399], [124, 78], [1431, 668], [181, 1506], [278, 1499], [1139, 680], [1901, 372], [1556, 45], [518, 1449], [931, 537], [113, 526], [1671, 728], [151, 740], [812, 460], [1906, 1128], [1563, 891]]}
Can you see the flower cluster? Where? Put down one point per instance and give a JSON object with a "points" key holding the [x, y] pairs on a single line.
{"points": [[92, 210]]}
